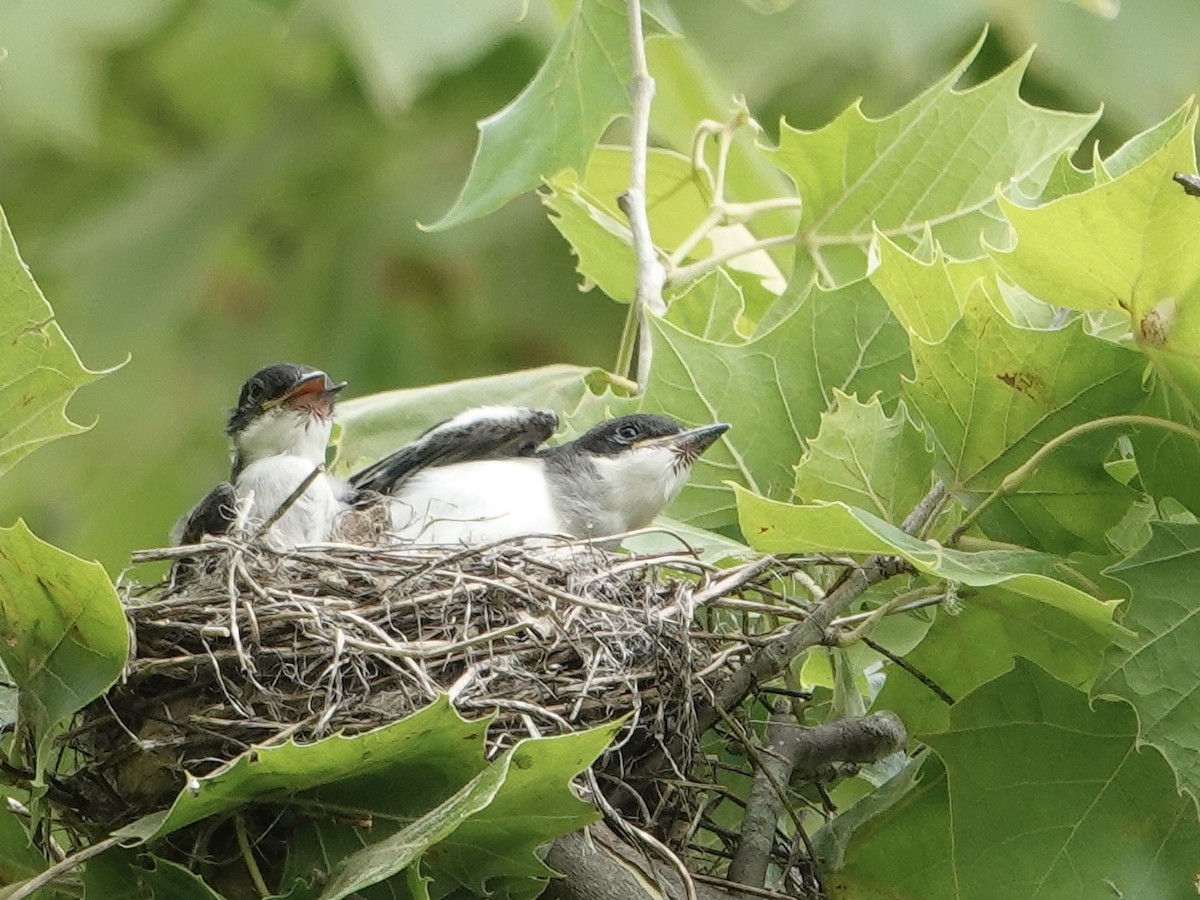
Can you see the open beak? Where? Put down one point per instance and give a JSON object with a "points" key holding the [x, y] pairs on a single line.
{"points": [[314, 391], [691, 443]]}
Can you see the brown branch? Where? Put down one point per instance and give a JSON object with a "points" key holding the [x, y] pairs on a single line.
{"points": [[606, 868]]}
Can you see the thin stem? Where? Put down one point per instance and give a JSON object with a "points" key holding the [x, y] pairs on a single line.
{"points": [[651, 275], [1022, 473], [256, 876], [628, 339], [704, 266], [33, 885]]}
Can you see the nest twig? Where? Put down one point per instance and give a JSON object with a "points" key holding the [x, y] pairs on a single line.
{"points": [[256, 646]]}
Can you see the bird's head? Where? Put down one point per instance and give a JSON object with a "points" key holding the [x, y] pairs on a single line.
{"points": [[284, 409], [645, 460]]}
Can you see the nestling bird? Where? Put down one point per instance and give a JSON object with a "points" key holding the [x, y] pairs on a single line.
{"points": [[279, 431], [480, 476]]}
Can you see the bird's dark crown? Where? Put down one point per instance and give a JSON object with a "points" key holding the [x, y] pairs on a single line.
{"points": [[617, 435], [267, 384]]}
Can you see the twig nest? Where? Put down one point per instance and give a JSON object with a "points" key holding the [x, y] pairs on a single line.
{"points": [[247, 645]]}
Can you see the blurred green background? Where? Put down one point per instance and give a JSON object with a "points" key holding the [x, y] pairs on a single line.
{"points": [[208, 187]]}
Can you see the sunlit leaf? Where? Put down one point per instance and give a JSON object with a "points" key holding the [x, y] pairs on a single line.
{"points": [[559, 116], [992, 393], [773, 390], [39, 370], [63, 635], [935, 163], [865, 458], [774, 527]]}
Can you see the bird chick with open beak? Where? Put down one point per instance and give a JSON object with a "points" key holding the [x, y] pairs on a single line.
{"points": [[279, 431]]}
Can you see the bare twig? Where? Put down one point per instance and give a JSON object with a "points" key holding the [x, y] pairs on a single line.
{"points": [[651, 274], [33, 885]]}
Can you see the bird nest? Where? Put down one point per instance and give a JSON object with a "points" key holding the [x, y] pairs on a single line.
{"points": [[246, 645]]}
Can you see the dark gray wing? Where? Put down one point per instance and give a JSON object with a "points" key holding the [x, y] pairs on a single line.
{"points": [[488, 432], [215, 514]]}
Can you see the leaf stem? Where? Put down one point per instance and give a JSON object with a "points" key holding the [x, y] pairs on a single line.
{"points": [[256, 876], [1018, 476], [33, 885], [651, 275]]}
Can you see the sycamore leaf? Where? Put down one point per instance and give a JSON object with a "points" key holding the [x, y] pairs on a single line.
{"points": [[1131, 245], [560, 115], [480, 837], [772, 389], [433, 752], [533, 806], [1126, 244], [376, 425], [63, 635], [774, 527], [39, 369], [865, 458], [585, 212], [960, 652], [1154, 666], [936, 162], [19, 861], [1039, 786], [119, 875], [711, 308], [992, 393]]}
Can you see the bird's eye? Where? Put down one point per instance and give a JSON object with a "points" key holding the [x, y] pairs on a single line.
{"points": [[627, 432]]}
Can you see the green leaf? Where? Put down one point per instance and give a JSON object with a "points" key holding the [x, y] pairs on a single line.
{"points": [[380, 861], [1154, 667], [927, 298], [401, 48], [772, 389], [978, 643], [433, 751], [376, 425], [711, 308], [1043, 797], [936, 162], [585, 212], [119, 874], [533, 806], [61, 102], [481, 837], [63, 635], [992, 393], [560, 115], [865, 458], [1124, 245], [774, 527], [18, 860], [39, 369]]}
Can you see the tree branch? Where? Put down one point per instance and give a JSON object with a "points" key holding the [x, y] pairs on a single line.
{"points": [[606, 868], [793, 752]]}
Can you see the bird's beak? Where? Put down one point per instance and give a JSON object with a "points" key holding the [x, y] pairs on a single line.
{"points": [[314, 389], [691, 443]]}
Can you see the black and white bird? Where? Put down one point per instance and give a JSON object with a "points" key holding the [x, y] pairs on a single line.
{"points": [[279, 431], [482, 476]]}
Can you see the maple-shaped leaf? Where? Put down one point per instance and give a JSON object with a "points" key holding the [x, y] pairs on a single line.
{"points": [[992, 393], [865, 458], [554, 123], [39, 369], [1131, 246], [772, 390], [1154, 666], [936, 162], [1034, 794]]}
